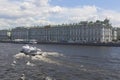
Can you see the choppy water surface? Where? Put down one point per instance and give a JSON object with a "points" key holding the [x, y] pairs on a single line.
{"points": [[60, 62]]}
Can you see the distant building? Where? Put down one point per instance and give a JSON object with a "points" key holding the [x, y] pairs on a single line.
{"points": [[75, 33], [83, 32], [19, 33], [38, 34], [118, 33], [114, 34], [4, 35]]}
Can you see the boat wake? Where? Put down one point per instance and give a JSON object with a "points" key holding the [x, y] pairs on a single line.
{"points": [[45, 57]]}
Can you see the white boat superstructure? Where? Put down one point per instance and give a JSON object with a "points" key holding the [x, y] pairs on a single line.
{"points": [[29, 50]]}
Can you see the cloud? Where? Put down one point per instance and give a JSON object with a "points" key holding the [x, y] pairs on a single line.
{"points": [[40, 12], [113, 16]]}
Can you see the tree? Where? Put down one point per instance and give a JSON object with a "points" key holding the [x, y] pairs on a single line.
{"points": [[107, 22]]}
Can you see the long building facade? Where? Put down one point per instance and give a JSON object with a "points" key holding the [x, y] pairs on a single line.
{"points": [[73, 33], [83, 32]]}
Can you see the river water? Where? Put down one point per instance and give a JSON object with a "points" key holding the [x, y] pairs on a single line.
{"points": [[60, 62]]}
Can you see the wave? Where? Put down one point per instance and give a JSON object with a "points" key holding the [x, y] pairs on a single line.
{"points": [[44, 57]]}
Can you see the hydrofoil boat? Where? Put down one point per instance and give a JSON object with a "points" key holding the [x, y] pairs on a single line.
{"points": [[29, 50]]}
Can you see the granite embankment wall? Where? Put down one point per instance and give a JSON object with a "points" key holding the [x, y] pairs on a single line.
{"points": [[111, 44]]}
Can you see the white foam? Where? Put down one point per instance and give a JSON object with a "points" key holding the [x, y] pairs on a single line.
{"points": [[44, 57], [49, 78], [30, 64], [20, 55], [22, 77], [54, 54], [14, 62]]}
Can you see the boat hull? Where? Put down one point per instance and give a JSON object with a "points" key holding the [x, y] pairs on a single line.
{"points": [[32, 53]]}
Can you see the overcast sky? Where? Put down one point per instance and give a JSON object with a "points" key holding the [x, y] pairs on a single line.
{"points": [[42, 12]]}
